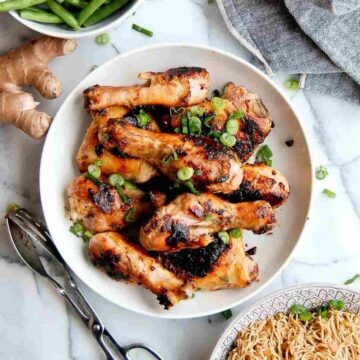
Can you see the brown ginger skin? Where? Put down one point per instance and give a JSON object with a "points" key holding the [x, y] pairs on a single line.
{"points": [[27, 65]]}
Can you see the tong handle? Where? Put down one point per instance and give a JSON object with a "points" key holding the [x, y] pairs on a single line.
{"points": [[74, 297]]}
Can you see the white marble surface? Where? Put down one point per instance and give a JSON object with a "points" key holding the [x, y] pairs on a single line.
{"points": [[34, 321]]}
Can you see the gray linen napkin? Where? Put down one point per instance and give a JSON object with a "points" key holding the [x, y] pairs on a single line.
{"points": [[271, 32]]}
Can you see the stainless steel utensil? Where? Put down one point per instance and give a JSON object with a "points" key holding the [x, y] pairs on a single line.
{"points": [[24, 229]]}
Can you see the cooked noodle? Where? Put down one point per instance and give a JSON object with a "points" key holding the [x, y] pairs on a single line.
{"points": [[286, 337]]}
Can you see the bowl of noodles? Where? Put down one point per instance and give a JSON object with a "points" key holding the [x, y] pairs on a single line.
{"points": [[306, 322]]}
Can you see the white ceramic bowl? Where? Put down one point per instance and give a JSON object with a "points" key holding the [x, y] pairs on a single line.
{"points": [[58, 169], [63, 31], [309, 295]]}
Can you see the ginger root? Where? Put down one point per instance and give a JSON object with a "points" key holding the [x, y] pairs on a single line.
{"points": [[27, 65]]}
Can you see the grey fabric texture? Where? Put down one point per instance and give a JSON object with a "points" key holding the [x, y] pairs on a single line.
{"points": [[302, 37], [341, 7]]}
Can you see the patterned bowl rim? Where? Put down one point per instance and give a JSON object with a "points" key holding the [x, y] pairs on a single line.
{"points": [[248, 309]]}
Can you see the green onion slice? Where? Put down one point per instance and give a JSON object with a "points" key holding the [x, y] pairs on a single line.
{"points": [[292, 84], [197, 110], [94, 170], [116, 180], [143, 119], [321, 172], [236, 233], [224, 236], [228, 139], [103, 39], [130, 215], [329, 193], [142, 30], [129, 185], [232, 126], [191, 187], [218, 103], [194, 125], [185, 173]]}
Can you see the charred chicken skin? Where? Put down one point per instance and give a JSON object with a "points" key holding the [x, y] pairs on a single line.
{"points": [[123, 260], [187, 221], [111, 160], [183, 86], [101, 208], [261, 182], [253, 126], [219, 168], [213, 267]]}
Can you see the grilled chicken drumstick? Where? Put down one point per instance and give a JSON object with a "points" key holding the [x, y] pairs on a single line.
{"points": [[183, 86], [253, 126], [186, 221], [91, 150], [101, 208], [261, 182], [218, 168], [213, 267], [122, 260]]}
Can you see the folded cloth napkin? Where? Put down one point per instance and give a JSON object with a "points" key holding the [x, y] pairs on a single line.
{"points": [[306, 37]]}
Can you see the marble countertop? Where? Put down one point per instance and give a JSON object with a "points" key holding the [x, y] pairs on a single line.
{"points": [[36, 324]]}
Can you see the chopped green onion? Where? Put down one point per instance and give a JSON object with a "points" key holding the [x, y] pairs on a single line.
{"points": [[177, 130], [218, 103], [130, 215], [194, 125], [129, 185], [207, 120], [184, 124], [236, 115], [322, 311], [106, 136], [329, 193], [305, 316], [215, 135], [292, 84], [123, 196], [94, 170], [297, 309], [97, 162], [208, 217], [94, 179], [336, 304], [191, 187], [264, 155], [103, 39], [87, 235], [321, 172], [197, 110], [185, 173], [192, 296], [236, 233], [143, 119], [232, 127], [170, 157], [198, 172], [142, 30], [228, 139], [351, 280], [224, 236], [116, 180], [77, 228], [227, 314], [225, 279], [11, 207]]}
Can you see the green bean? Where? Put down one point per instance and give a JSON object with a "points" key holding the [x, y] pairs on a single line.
{"points": [[40, 16], [89, 10], [78, 3], [10, 5], [104, 12], [60, 11]]}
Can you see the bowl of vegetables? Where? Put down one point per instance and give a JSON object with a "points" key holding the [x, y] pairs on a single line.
{"points": [[70, 18]]}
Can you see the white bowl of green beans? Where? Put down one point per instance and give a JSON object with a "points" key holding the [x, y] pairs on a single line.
{"points": [[70, 18]]}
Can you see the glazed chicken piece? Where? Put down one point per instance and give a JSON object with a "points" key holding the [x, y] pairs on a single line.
{"points": [[213, 267], [261, 182], [216, 167], [100, 208], [123, 260], [254, 125], [112, 161], [183, 86], [187, 221]]}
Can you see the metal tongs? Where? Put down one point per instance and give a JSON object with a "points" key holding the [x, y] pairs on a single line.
{"points": [[24, 232]]}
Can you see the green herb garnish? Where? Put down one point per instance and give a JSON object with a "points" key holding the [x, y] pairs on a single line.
{"points": [[232, 127], [224, 236], [198, 172], [194, 125], [143, 119], [130, 215], [191, 187], [305, 316], [116, 180], [103, 39], [351, 280], [129, 185], [228, 139], [197, 110], [94, 170], [185, 173], [227, 314], [292, 84], [236, 233], [321, 172], [208, 217], [170, 157], [329, 193], [264, 155], [336, 304], [218, 103], [142, 30]]}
